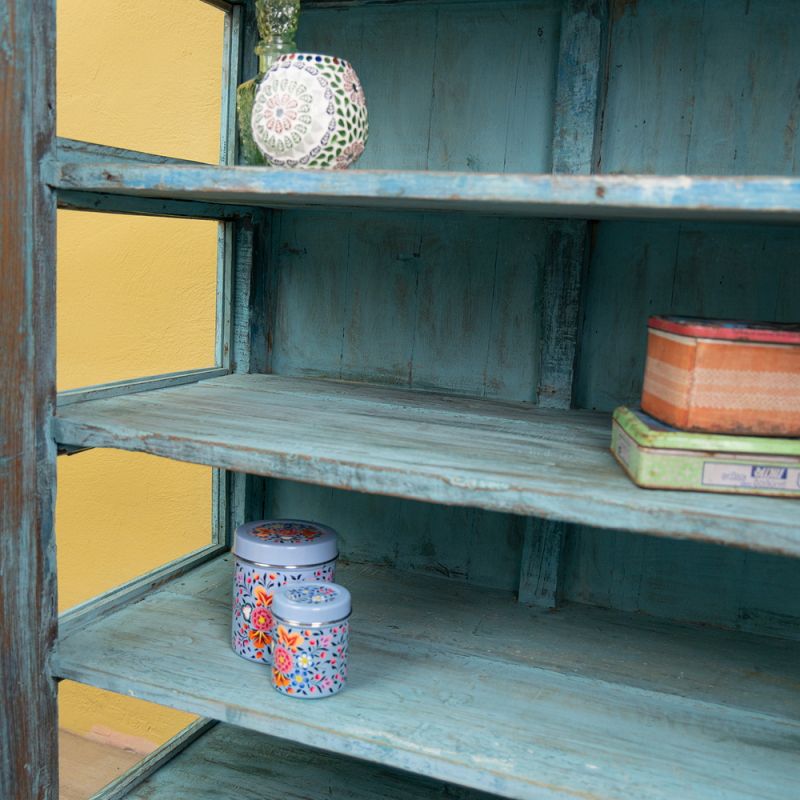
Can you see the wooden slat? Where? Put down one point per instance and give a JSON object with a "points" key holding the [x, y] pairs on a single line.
{"points": [[458, 451], [582, 703], [136, 589], [28, 713], [149, 207], [580, 61], [83, 152], [581, 196], [136, 385], [235, 763]]}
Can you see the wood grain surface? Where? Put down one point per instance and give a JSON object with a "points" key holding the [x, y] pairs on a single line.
{"points": [[228, 763], [28, 725], [453, 450], [464, 685], [579, 196]]}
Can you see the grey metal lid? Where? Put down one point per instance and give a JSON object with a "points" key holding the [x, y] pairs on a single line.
{"points": [[285, 542], [307, 603]]}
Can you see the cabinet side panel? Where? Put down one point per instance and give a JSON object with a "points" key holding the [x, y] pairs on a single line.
{"points": [[28, 724], [703, 87]]}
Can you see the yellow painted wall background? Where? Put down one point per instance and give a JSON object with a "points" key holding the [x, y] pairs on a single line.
{"points": [[135, 297]]}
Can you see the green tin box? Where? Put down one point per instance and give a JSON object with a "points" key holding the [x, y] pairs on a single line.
{"points": [[658, 456]]}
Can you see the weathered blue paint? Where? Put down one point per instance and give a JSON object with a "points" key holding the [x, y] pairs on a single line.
{"points": [[424, 446], [137, 385], [580, 61], [486, 307], [579, 196], [465, 88], [150, 207], [580, 703], [28, 736], [703, 87], [687, 581], [239, 763]]}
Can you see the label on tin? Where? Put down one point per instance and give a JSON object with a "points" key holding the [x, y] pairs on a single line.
{"points": [[624, 445], [751, 476]]}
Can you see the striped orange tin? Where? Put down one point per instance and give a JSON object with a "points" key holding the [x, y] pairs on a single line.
{"points": [[723, 376]]}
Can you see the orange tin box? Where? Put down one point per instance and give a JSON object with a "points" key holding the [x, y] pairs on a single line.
{"points": [[723, 376]]}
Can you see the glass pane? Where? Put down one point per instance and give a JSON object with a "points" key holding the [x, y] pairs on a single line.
{"points": [[136, 296], [145, 75], [119, 515], [103, 734]]}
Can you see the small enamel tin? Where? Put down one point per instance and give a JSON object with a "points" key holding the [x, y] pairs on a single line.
{"points": [[723, 376], [270, 554], [312, 627], [658, 456]]}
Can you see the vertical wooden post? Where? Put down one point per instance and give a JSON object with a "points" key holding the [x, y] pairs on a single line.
{"points": [[245, 494], [28, 715], [578, 90]]}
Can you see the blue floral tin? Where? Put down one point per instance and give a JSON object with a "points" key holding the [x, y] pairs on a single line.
{"points": [[270, 554], [312, 627]]}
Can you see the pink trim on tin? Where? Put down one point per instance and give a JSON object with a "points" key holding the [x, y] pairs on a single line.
{"points": [[730, 330]]}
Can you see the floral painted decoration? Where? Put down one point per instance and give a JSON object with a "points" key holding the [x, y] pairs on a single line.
{"points": [[310, 111], [312, 594], [310, 663], [252, 628], [286, 533]]}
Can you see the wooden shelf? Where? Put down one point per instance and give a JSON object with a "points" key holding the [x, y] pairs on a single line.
{"points": [[581, 196], [234, 763], [499, 456], [463, 684]]}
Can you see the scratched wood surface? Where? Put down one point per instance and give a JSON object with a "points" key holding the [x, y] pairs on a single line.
{"points": [[465, 544], [533, 195], [579, 703], [466, 87], [690, 581], [383, 277], [445, 449], [704, 87], [28, 719], [228, 762], [709, 88]]}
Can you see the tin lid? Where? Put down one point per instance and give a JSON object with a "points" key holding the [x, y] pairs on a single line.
{"points": [[730, 329], [649, 432], [285, 542], [310, 602]]}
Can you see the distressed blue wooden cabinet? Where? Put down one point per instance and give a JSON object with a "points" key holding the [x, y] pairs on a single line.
{"points": [[424, 353]]}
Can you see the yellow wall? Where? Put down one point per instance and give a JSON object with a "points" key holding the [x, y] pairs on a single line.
{"points": [[135, 297]]}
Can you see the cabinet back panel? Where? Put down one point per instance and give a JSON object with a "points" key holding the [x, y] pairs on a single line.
{"points": [[449, 87], [430, 301], [643, 268], [705, 87], [465, 544], [689, 581], [450, 302]]}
